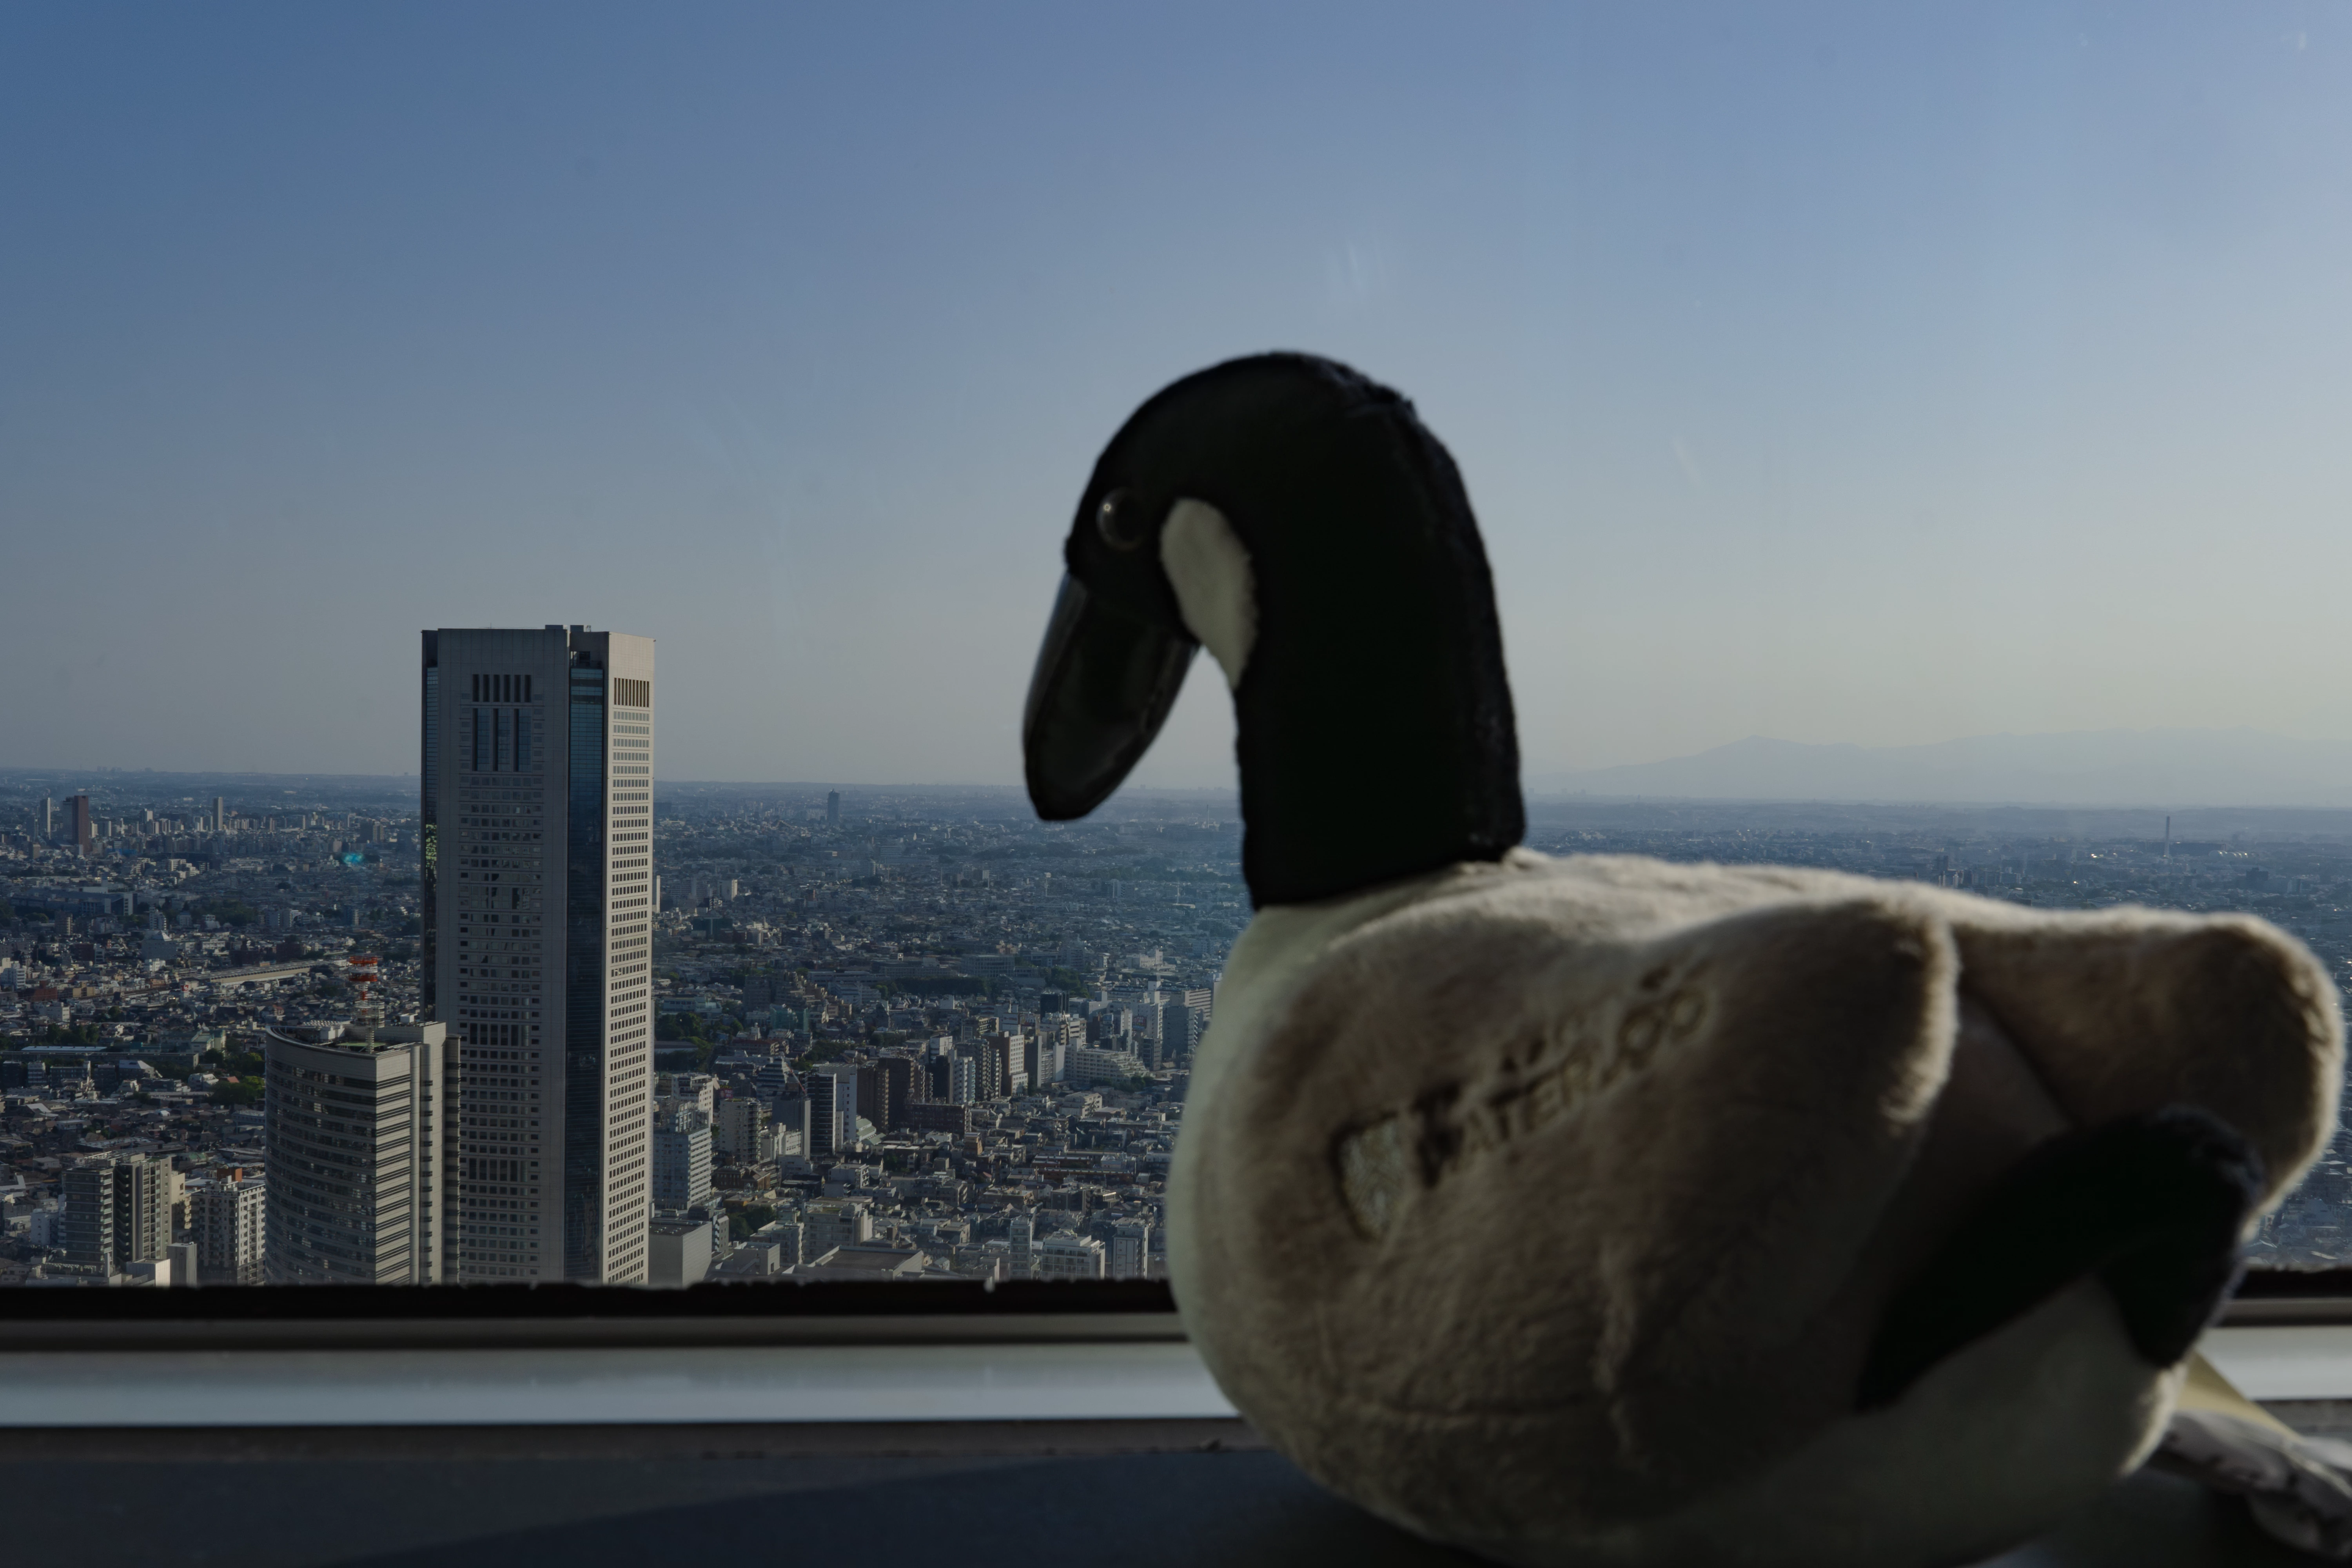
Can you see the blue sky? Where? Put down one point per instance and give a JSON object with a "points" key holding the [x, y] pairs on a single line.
{"points": [[1866, 373]]}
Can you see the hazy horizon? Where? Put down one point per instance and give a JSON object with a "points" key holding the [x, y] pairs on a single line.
{"points": [[1836, 374], [2158, 769]]}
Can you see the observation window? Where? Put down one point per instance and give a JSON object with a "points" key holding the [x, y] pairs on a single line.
{"points": [[1904, 443]]}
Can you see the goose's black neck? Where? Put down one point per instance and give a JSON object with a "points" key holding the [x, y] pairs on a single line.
{"points": [[1376, 735]]}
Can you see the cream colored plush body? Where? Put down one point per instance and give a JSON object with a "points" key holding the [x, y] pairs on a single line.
{"points": [[1548, 1207]]}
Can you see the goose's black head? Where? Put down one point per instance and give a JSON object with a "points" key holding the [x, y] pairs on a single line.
{"points": [[1300, 520]]}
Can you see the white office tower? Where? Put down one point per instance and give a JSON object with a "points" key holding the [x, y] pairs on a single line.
{"points": [[229, 1222], [537, 886], [353, 1126], [681, 1157]]}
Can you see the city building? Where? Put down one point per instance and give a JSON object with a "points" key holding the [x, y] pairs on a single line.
{"points": [[678, 1253], [682, 1158], [790, 1114], [839, 1222], [1021, 1240], [955, 1080], [115, 1210], [789, 1237], [865, 1263], [898, 1083], [537, 829], [229, 1223], [833, 1113], [355, 1136], [1130, 1249], [181, 1263], [1067, 1257], [762, 1258], [743, 1129], [698, 1089], [1085, 1065]]}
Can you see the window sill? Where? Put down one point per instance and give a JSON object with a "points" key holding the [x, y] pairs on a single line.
{"points": [[1138, 1376], [2285, 1362], [1080, 1381], [736, 1356]]}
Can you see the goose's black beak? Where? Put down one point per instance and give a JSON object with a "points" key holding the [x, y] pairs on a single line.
{"points": [[1105, 681]]}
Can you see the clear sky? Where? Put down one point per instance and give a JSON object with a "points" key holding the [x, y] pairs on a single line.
{"points": [[1879, 374]]}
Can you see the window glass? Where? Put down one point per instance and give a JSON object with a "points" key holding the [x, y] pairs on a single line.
{"points": [[1907, 440]]}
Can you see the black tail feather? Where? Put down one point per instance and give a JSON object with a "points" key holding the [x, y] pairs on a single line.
{"points": [[2153, 1204]]}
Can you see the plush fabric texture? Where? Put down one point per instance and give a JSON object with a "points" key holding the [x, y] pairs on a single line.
{"points": [[1551, 1207]]}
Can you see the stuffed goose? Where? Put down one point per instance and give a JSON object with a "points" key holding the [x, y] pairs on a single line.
{"points": [[1603, 1211]]}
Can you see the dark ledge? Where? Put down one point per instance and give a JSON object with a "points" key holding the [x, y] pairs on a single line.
{"points": [[781, 1312], [395, 1316]]}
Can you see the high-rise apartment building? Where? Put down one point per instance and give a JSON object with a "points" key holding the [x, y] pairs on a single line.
{"points": [[743, 1129], [833, 1114], [898, 1082], [229, 1222], [355, 1131], [1021, 1239], [875, 1100], [681, 1157], [833, 808], [85, 832], [85, 1225], [538, 888], [1198, 1004], [115, 1210]]}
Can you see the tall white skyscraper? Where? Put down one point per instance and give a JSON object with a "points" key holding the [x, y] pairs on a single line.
{"points": [[538, 868]]}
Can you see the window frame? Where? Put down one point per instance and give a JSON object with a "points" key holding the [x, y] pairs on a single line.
{"points": [[747, 1313], [752, 1312]]}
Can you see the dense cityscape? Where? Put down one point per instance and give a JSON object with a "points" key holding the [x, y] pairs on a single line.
{"points": [[898, 1034]]}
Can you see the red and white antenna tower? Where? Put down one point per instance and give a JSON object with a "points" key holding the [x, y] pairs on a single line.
{"points": [[368, 1014]]}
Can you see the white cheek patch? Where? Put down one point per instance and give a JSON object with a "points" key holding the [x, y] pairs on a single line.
{"points": [[1216, 590]]}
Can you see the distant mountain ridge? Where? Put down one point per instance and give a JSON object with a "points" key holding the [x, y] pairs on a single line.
{"points": [[2077, 767]]}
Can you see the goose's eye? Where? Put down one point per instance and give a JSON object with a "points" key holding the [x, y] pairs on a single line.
{"points": [[1121, 521]]}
